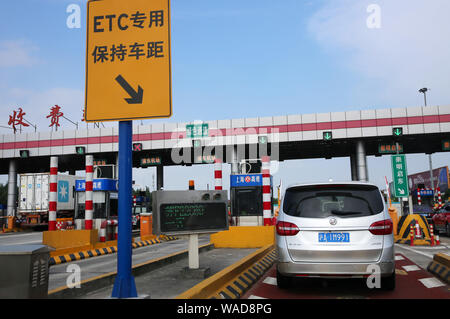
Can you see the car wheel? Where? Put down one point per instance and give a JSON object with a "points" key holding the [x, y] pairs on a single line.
{"points": [[283, 282], [388, 283]]}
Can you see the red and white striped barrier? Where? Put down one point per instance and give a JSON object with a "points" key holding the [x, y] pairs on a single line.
{"points": [[89, 206], [53, 194], [106, 223], [218, 174], [134, 200], [432, 234], [267, 200], [419, 198]]}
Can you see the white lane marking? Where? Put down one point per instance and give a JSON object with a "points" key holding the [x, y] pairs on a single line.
{"points": [[21, 235], [416, 251], [441, 246], [27, 242], [256, 297], [398, 257], [411, 268], [431, 282], [270, 281]]}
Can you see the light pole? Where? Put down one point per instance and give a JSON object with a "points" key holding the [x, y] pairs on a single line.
{"points": [[424, 91]]}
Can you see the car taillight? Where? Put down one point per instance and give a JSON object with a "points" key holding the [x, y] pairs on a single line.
{"points": [[287, 229], [383, 227]]}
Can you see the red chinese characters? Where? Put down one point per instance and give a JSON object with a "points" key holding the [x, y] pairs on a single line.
{"points": [[55, 114], [17, 119]]}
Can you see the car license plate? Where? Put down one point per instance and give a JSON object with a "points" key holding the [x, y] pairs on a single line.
{"points": [[334, 237]]}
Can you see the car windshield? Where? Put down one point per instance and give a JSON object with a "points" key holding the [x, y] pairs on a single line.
{"points": [[322, 201]]}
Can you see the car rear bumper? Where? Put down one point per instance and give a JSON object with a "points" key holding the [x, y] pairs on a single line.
{"points": [[287, 267], [294, 269]]}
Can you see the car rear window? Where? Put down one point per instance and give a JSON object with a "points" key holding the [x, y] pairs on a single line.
{"points": [[345, 201]]}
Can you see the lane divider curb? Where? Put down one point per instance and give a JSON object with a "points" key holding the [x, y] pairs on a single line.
{"points": [[234, 280], [242, 283], [440, 267], [57, 260], [101, 281]]}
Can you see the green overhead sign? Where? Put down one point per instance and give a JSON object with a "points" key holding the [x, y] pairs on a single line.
{"points": [[197, 130], [389, 148], [400, 175]]}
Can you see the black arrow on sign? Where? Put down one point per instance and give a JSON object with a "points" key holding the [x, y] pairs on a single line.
{"points": [[135, 97]]}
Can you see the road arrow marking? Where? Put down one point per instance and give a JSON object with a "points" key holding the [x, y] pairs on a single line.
{"points": [[135, 97]]}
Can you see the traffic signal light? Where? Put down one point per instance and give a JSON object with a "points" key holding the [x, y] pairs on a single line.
{"points": [[24, 154], [196, 143], [327, 136], [397, 131], [446, 145], [137, 147], [263, 139], [80, 150]]}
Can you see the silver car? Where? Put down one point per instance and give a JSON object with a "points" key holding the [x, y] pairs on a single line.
{"points": [[334, 230]]}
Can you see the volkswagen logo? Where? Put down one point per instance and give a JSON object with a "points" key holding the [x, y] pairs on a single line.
{"points": [[333, 221]]}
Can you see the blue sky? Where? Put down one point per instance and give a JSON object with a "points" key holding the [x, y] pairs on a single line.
{"points": [[236, 59]]}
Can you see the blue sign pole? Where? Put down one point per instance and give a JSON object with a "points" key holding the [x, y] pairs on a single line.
{"points": [[124, 285]]}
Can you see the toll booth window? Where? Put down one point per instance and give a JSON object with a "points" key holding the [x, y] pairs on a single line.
{"points": [[99, 200], [80, 211], [99, 210], [247, 203], [113, 207]]}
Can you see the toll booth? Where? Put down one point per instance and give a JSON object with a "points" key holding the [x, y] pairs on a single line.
{"points": [[246, 191], [141, 205], [423, 200], [105, 201]]}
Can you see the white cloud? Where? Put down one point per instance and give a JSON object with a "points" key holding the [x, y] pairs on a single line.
{"points": [[17, 53], [408, 52]]}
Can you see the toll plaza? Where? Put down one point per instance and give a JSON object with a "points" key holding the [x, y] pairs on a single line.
{"points": [[252, 220]]}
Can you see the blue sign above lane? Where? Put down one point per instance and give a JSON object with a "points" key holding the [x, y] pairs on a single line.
{"points": [[246, 180], [98, 185]]}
